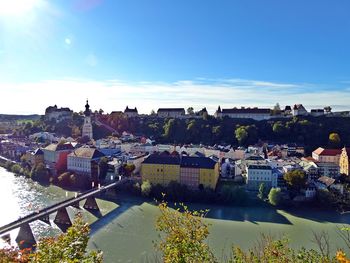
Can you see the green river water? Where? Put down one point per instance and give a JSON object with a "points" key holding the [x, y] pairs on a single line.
{"points": [[126, 229]]}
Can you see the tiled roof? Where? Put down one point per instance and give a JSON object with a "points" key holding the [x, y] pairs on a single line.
{"points": [[157, 158], [197, 162], [85, 152], [327, 152], [59, 147], [259, 167], [326, 180]]}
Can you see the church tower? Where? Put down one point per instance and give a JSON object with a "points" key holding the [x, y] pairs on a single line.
{"points": [[87, 127]]}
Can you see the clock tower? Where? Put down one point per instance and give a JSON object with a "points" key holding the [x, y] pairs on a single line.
{"points": [[87, 127]]}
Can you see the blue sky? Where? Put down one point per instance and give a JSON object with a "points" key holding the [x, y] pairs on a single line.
{"points": [[173, 53]]}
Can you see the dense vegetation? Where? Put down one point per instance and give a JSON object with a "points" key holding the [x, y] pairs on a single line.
{"points": [[309, 131]]}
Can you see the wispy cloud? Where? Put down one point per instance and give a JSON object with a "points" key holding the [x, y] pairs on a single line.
{"points": [[115, 94]]}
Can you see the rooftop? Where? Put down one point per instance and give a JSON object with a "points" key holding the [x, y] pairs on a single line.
{"points": [[327, 152]]}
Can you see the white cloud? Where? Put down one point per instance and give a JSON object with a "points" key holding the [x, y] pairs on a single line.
{"points": [[115, 95]]}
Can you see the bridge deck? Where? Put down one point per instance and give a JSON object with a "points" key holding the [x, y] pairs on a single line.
{"points": [[53, 208]]}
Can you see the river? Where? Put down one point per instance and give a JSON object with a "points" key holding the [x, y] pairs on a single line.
{"points": [[126, 229]]}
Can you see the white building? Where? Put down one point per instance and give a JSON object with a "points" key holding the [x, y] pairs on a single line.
{"points": [[327, 155], [80, 160], [87, 126], [299, 110], [257, 174], [244, 113], [171, 112], [131, 113], [53, 113]]}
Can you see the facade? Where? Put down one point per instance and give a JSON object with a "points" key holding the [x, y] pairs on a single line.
{"points": [[53, 113], [327, 155], [199, 172], [344, 161], [195, 172], [171, 112], [80, 160], [299, 110], [87, 126], [244, 113], [317, 112], [257, 174], [131, 113], [161, 169], [329, 169], [55, 156]]}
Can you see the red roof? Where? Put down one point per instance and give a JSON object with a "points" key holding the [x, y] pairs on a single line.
{"points": [[327, 152]]}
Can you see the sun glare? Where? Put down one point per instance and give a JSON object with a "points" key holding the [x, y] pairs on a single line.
{"points": [[16, 7]]}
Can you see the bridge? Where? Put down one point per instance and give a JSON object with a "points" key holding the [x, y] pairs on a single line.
{"points": [[62, 219]]}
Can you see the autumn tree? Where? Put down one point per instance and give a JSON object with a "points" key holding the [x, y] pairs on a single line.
{"points": [[334, 140], [183, 235], [295, 179]]}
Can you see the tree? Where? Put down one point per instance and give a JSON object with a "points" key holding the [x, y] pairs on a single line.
{"points": [[263, 191], [153, 112], [40, 173], [190, 111], [146, 188], [334, 140], [184, 235], [295, 179], [275, 196], [241, 135], [68, 247]]}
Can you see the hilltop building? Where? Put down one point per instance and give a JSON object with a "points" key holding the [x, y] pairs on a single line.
{"points": [[171, 112], [53, 113], [244, 113], [299, 110], [87, 126], [131, 113]]}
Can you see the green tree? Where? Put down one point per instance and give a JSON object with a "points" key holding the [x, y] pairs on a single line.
{"points": [[103, 168], [68, 247], [275, 196], [40, 173], [146, 188], [184, 235], [241, 135], [295, 179], [263, 191], [190, 111], [334, 140]]}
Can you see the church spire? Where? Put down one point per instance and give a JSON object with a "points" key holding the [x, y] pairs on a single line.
{"points": [[87, 108]]}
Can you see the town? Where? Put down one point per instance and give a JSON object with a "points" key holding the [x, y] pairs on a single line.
{"points": [[280, 173]]}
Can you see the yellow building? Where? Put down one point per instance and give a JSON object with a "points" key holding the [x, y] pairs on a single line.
{"points": [[195, 172], [344, 161], [161, 169]]}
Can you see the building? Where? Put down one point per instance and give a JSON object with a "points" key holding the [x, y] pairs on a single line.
{"points": [[328, 169], [87, 126], [137, 161], [299, 110], [131, 113], [344, 161], [55, 156], [244, 113], [257, 174], [327, 155], [317, 112], [81, 160], [195, 172], [52, 113], [198, 172], [171, 112], [227, 168], [159, 168]]}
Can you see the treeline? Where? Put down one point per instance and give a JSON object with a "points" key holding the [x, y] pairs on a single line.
{"points": [[311, 132], [308, 131]]}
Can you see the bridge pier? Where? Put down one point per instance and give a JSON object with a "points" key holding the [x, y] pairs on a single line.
{"points": [[25, 237], [91, 204], [62, 217], [45, 219]]}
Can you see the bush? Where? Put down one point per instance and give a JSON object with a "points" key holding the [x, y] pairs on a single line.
{"points": [[40, 173], [16, 169], [146, 188], [275, 196], [233, 195]]}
